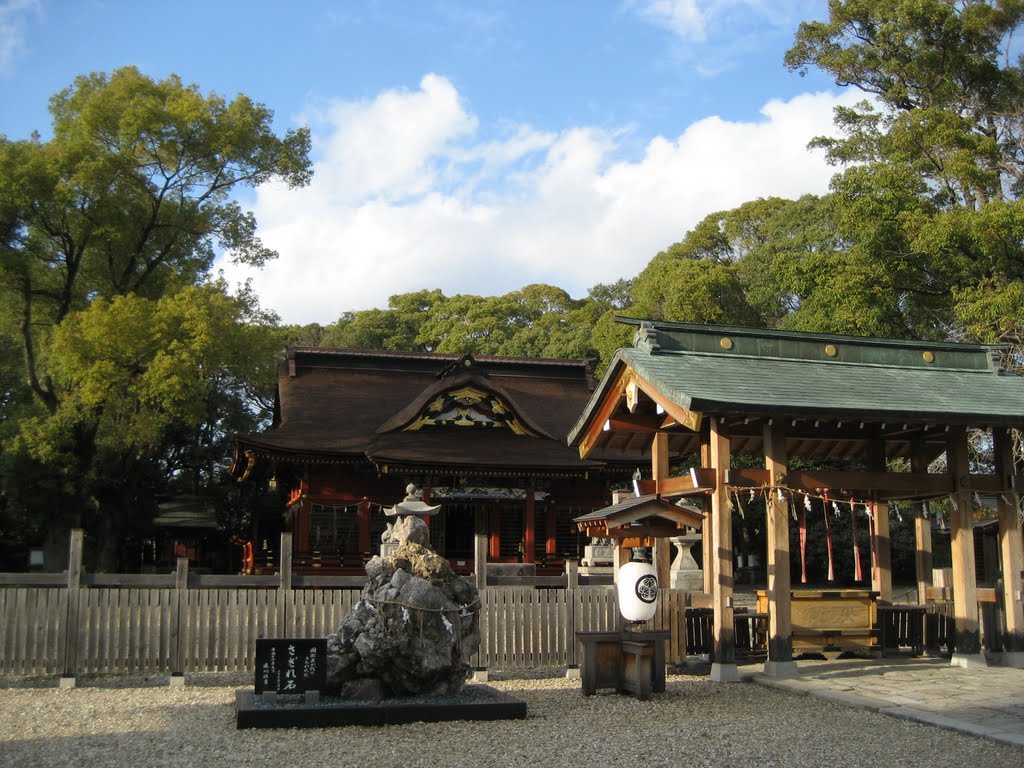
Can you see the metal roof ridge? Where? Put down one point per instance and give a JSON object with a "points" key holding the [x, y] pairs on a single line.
{"points": [[815, 361], [777, 333]]}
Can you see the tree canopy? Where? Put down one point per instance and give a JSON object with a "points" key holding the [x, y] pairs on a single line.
{"points": [[119, 213]]}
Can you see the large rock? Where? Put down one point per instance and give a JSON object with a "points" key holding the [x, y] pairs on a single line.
{"points": [[415, 626]]}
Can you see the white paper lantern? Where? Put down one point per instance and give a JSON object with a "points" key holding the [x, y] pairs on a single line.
{"points": [[638, 591]]}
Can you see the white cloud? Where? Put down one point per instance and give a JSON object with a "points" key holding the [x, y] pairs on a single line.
{"points": [[14, 15], [406, 196], [685, 18]]}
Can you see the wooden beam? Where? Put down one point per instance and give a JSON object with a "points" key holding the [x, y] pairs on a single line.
{"points": [[616, 394], [689, 419], [1010, 550], [967, 640], [661, 553], [723, 669], [706, 537], [697, 480], [880, 537], [812, 481], [643, 423], [780, 621], [919, 461]]}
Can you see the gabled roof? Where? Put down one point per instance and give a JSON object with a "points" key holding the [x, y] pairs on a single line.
{"points": [[638, 516], [336, 405], [762, 374]]}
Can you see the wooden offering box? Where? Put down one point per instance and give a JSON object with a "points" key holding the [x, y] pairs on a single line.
{"points": [[831, 620]]}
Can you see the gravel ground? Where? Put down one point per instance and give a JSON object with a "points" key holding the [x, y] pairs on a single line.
{"points": [[139, 722]]}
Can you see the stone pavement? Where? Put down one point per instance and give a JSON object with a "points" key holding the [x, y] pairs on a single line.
{"points": [[986, 702]]}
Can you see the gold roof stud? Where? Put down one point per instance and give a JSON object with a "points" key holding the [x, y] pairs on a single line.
{"points": [[726, 343], [830, 350], [928, 357]]}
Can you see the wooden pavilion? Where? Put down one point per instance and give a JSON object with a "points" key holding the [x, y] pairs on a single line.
{"points": [[704, 394], [483, 437]]}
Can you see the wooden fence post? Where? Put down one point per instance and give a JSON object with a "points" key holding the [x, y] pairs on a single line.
{"points": [[179, 632], [284, 590], [67, 680], [572, 574]]}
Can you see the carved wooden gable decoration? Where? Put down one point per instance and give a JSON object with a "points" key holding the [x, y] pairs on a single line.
{"points": [[469, 406]]}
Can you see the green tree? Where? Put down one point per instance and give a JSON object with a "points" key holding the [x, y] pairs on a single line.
{"points": [[948, 95], [130, 198], [933, 193], [159, 386]]}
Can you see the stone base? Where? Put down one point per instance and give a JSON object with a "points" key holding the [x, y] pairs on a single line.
{"points": [[176, 681], [724, 673], [67, 681], [572, 672], [480, 675], [1013, 659], [781, 669], [969, 660], [476, 702], [685, 580]]}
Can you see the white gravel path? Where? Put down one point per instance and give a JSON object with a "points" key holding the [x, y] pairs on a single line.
{"points": [[139, 722]]}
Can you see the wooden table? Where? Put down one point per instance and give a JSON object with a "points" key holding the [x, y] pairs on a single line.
{"points": [[630, 661]]}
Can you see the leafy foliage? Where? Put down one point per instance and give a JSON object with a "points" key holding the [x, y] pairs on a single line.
{"points": [[107, 235]]}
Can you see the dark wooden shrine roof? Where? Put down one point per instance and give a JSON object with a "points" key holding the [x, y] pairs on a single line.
{"points": [[837, 393], [336, 405]]}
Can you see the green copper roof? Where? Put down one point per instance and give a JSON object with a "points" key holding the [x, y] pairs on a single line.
{"points": [[731, 370]]}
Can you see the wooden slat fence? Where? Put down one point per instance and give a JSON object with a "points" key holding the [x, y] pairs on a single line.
{"points": [[82, 623], [123, 630]]}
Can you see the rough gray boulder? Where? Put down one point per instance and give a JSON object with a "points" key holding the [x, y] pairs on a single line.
{"points": [[415, 626]]}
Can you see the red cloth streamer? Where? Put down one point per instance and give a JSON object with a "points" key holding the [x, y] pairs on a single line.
{"points": [[858, 574], [828, 539], [803, 543]]}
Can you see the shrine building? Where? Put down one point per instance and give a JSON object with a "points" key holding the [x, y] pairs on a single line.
{"points": [[894, 416], [483, 437]]}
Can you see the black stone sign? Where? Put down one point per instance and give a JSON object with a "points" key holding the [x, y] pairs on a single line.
{"points": [[291, 666]]}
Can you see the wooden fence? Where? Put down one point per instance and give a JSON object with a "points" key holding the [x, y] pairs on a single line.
{"points": [[77, 623], [140, 629]]}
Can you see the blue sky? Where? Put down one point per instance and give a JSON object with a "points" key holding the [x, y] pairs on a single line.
{"points": [[474, 147]]}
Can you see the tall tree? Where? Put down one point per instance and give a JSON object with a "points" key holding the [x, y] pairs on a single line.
{"points": [[131, 197], [936, 160]]}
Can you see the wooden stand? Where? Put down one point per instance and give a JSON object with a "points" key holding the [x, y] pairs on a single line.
{"points": [[631, 661]]}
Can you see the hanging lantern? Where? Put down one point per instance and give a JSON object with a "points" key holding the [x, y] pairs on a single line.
{"points": [[638, 591]]}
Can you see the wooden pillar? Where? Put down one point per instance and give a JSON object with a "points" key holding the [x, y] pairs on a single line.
{"points": [[494, 538], [530, 527], [723, 667], [284, 588], [662, 554], [364, 529], [881, 545], [75, 542], [922, 530], [551, 522], [967, 636], [706, 539], [480, 546], [881, 540], [780, 640], [1010, 552]]}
